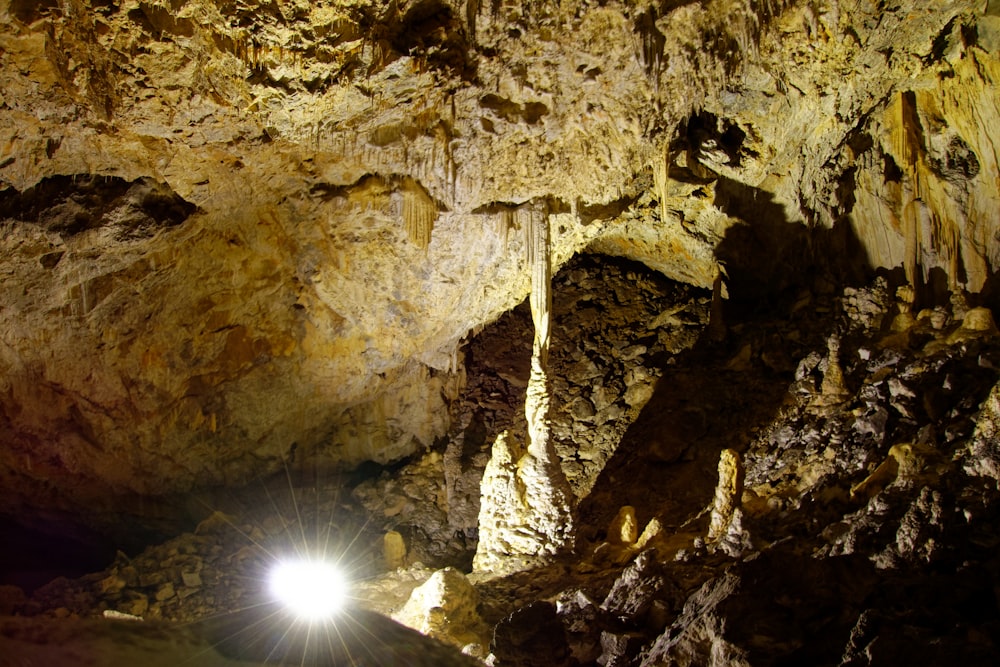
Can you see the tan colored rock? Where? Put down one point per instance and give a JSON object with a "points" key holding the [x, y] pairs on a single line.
{"points": [[522, 517], [936, 318], [979, 319], [526, 511], [833, 390], [638, 394], [165, 592], [728, 493], [624, 529], [137, 605], [393, 550], [445, 608], [120, 615], [906, 463], [982, 455], [652, 532], [354, 195], [833, 386]]}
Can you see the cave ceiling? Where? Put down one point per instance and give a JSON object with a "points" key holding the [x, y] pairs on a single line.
{"points": [[241, 233]]}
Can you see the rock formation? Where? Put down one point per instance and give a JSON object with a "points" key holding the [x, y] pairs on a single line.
{"points": [[525, 512], [476, 275], [728, 493], [341, 174], [444, 607]]}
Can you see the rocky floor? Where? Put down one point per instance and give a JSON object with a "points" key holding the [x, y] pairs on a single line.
{"points": [[856, 521]]}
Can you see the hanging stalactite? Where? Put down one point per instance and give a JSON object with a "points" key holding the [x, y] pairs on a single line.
{"points": [[536, 405], [929, 221], [419, 212]]}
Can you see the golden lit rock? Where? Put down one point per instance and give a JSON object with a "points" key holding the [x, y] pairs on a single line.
{"points": [[624, 529], [244, 236], [393, 550], [728, 493], [444, 607]]}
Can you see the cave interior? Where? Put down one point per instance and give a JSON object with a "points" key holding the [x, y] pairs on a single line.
{"points": [[578, 332]]}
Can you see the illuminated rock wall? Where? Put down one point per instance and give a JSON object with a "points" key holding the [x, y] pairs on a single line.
{"points": [[344, 174]]}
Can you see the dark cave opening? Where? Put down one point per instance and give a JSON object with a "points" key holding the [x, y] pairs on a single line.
{"points": [[35, 554]]}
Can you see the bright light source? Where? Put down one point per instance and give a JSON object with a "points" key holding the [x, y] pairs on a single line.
{"points": [[311, 589]]}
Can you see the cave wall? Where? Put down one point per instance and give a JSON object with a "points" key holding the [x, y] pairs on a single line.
{"points": [[242, 233]]}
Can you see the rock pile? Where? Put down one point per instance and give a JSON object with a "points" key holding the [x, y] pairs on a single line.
{"points": [[873, 519]]}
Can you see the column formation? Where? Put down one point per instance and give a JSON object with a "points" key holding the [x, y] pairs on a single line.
{"points": [[525, 513]]}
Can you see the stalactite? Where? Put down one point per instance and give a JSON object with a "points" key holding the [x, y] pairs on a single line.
{"points": [[526, 510], [925, 227], [651, 44], [503, 222], [661, 177], [537, 399], [902, 147], [419, 213], [471, 15]]}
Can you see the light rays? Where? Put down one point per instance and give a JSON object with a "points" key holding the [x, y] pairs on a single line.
{"points": [[309, 548], [314, 590]]}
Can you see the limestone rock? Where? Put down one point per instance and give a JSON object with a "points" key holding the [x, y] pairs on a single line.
{"points": [[522, 515], [640, 585], [444, 607], [906, 463], [624, 528], [728, 493], [244, 238], [414, 502], [652, 533], [982, 458], [393, 550], [618, 648], [275, 223], [531, 636], [584, 622], [833, 391], [382, 641], [978, 322]]}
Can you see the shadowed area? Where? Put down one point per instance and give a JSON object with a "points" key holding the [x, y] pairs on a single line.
{"points": [[268, 634]]}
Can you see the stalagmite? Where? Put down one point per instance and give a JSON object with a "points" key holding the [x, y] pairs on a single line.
{"points": [[525, 512], [393, 550], [726, 531], [624, 529], [728, 493], [833, 386], [833, 390]]}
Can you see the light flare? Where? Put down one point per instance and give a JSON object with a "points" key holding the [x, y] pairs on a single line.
{"points": [[313, 590]]}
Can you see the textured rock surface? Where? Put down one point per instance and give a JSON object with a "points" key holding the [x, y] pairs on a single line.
{"points": [[906, 565], [445, 607], [241, 238], [526, 509], [614, 323], [352, 173], [248, 638]]}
